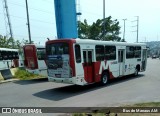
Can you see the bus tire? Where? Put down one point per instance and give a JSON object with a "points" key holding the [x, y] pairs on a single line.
{"points": [[104, 78], [136, 72]]}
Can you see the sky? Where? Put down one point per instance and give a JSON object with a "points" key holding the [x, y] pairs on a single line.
{"points": [[43, 26]]}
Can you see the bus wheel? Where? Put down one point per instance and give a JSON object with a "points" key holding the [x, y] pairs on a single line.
{"points": [[104, 78], [136, 72]]}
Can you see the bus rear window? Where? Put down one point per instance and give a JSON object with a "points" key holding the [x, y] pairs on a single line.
{"points": [[41, 53], [57, 49]]}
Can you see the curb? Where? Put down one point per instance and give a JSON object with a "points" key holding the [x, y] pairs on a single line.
{"points": [[1, 77], [9, 80], [7, 74]]}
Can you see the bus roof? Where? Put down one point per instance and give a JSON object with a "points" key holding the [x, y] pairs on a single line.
{"points": [[90, 41], [37, 46], [8, 49]]}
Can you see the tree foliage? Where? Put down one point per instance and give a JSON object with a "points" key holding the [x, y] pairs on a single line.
{"points": [[12, 43], [103, 29]]}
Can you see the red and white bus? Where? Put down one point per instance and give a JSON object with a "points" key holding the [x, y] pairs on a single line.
{"points": [[82, 62], [34, 57], [10, 58]]}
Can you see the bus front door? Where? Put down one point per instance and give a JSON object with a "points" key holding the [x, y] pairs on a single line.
{"points": [[88, 65], [121, 62]]}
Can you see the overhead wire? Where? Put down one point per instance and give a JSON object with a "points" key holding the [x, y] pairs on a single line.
{"points": [[20, 5]]}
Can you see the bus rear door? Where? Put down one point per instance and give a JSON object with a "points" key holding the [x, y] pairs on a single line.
{"points": [[88, 65], [121, 61]]}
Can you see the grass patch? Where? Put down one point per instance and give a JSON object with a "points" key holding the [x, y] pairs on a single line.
{"points": [[149, 104], [24, 75]]}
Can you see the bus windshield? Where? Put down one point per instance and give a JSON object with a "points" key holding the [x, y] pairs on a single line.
{"points": [[57, 49]]}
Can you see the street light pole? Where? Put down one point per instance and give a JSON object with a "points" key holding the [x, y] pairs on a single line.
{"points": [[124, 29], [29, 32]]}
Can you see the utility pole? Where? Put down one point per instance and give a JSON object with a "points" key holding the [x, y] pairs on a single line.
{"points": [[104, 18], [137, 27], [8, 22], [29, 32], [78, 13], [8, 17], [124, 29]]}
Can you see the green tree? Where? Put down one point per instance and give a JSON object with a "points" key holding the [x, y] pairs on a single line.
{"points": [[96, 31], [12, 43], [83, 29]]}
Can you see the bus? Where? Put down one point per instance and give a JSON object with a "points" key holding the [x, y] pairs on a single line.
{"points": [[83, 61], [34, 58], [10, 58]]}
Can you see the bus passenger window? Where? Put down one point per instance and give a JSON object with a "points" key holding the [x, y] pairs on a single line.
{"points": [[1, 58], [5, 56], [110, 53], [137, 52], [13, 55], [17, 56], [78, 53], [129, 52], [99, 52], [10, 55]]}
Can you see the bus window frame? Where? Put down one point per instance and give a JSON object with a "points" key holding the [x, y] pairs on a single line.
{"points": [[78, 54]]}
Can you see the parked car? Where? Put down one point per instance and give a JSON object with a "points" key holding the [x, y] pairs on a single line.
{"points": [[154, 56]]}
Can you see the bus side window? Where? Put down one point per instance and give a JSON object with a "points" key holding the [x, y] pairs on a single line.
{"points": [[129, 52], [137, 52], [4, 54], [10, 55], [78, 53], [110, 52], [1, 58], [16, 54], [99, 52]]}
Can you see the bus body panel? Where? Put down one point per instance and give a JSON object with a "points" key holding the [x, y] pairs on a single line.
{"points": [[35, 59], [30, 57], [10, 58], [85, 66]]}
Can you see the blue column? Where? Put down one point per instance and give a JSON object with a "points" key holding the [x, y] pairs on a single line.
{"points": [[66, 19]]}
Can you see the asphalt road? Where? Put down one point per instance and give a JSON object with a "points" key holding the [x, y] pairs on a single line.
{"points": [[41, 93]]}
